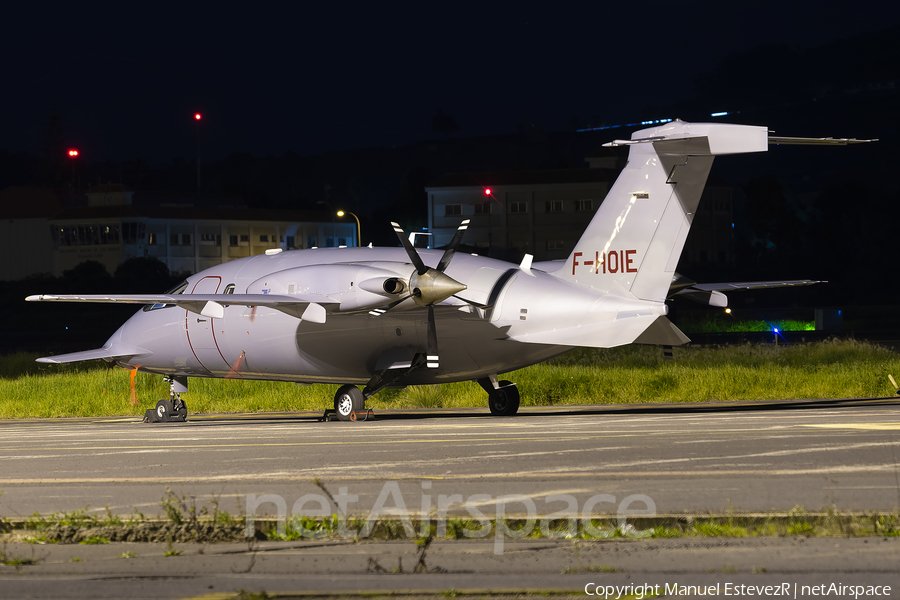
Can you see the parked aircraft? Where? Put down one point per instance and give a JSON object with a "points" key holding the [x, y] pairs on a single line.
{"points": [[382, 317]]}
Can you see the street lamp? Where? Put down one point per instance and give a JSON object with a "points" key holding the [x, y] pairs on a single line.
{"points": [[340, 213]]}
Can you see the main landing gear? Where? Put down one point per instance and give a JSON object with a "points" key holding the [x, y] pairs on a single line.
{"points": [[503, 396], [350, 404], [173, 410], [350, 401]]}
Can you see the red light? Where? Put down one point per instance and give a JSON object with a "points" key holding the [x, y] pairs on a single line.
{"points": [[197, 116], [73, 153], [487, 191]]}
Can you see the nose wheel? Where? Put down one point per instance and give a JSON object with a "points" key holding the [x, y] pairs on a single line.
{"points": [[174, 409]]}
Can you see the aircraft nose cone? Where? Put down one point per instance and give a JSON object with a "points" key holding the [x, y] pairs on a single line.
{"points": [[433, 287]]}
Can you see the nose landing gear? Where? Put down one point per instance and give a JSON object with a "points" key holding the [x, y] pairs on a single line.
{"points": [[173, 410]]}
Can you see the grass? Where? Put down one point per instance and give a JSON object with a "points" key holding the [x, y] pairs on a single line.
{"points": [[724, 323], [204, 524], [631, 374]]}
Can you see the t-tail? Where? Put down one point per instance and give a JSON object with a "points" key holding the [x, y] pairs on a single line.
{"points": [[632, 245]]}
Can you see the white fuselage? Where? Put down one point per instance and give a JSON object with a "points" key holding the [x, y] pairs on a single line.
{"points": [[263, 343]]}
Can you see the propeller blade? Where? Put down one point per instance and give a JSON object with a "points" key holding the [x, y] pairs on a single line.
{"points": [[377, 312], [421, 269], [475, 304], [432, 361], [452, 246]]}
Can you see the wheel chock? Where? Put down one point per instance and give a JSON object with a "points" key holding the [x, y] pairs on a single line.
{"points": [[366, 415]]}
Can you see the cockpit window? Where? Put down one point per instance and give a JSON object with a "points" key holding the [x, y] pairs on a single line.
{"points": [[178, 289]]}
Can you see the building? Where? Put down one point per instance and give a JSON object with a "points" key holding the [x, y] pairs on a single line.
{"points": [[25, 236], [111, 224], [544, 213], [514, 213]]}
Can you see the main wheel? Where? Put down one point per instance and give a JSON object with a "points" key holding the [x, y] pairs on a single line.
{"points": [[348, 399], [504, 401], [163, 410]]}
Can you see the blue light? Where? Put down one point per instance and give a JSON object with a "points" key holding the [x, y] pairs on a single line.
{"points": [[719, 114], [776, 330]]}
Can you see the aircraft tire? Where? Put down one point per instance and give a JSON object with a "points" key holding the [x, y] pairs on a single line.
{"points": [[505, 401], [348, 399], [163, 410]]}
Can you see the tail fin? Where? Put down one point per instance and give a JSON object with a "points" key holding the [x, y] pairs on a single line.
{"points": [[636, 237]]}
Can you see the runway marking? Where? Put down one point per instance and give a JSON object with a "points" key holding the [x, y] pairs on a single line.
{"points": [[412, 438], [864, 426], [630, 475], [340, 442], [424, 435]]}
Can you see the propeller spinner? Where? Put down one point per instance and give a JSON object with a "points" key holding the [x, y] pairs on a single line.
{"points": [[429, 286]]}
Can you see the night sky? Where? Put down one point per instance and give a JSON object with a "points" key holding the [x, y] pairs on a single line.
{"points": [[270, 78]]}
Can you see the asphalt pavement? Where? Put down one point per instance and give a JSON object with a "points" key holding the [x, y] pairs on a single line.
{"points": [[596, 461]]}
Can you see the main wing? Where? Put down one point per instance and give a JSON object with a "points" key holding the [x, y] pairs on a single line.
{"points": [[308, 307]]}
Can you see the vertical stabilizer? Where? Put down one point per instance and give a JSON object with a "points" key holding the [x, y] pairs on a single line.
{"points": [[635, 239]]}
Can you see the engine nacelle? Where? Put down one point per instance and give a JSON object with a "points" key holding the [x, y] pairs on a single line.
{"points": [[356, 287]]}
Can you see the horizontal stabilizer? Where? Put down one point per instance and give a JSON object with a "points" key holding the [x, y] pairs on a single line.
{"points": [[210, 305], [752, 285], [107, 354], [823, 141]]}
